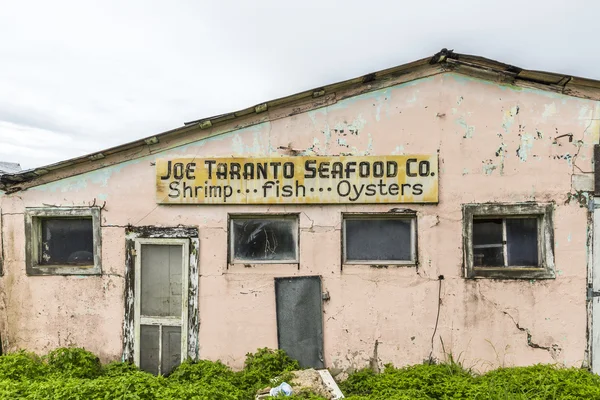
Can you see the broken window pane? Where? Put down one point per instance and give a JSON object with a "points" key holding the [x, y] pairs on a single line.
{"points": [[67, 241], [149, 348], [378, 239], [263, 239], [161, 280], [522, 241], [171, 348]]}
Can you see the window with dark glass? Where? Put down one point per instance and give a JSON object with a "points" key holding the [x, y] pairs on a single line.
{"points": [[379, 238], [505, 242], [264, 239], [66, 241], [63, 241], [508, 241]]}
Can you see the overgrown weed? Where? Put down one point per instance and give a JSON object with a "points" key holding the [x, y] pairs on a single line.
{"points": [[77, 374]]}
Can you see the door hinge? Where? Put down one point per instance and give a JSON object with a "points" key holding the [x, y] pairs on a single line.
{"points": [[591, 293]]}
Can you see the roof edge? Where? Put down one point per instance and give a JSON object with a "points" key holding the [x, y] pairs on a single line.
{"points": [[443, 61]]}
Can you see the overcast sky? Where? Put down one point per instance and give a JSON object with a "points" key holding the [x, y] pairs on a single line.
{"points": [[78, 76]]}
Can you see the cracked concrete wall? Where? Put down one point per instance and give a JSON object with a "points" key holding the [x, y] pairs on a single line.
{"points": [[495, 144]]}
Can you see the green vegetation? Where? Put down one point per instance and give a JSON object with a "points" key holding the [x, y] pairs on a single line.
{"points": [[78, 374]]}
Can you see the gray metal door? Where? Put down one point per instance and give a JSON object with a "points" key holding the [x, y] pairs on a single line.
{"points": [[300, 319]]}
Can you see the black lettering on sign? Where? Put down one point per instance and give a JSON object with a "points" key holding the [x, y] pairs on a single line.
{"points": [[337, 170], [221, 171], [190, 168], [275, 166], [408, 167], [424, 168], [393, 189], [288, 170], [311, 170], [209, 164], [364, 169], [287, 190], [234, 170], [350, 167], [370, 190], [343, 188], [248, 171], [378, 169], [261, 170], [178, 170], [168, 175], [391, 169], [417, 189], [173, 186], [324, 170]]}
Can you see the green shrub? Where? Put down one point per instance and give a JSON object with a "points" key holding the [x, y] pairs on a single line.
{"points": [[22, 365], [67, 374], [74, 363], [263, 366]]}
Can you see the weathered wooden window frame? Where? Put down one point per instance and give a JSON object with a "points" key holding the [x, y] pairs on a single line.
{"points": [[33, 235], [239, 216], [543, 214], [407, 215], [162, 321], [192, 323]]}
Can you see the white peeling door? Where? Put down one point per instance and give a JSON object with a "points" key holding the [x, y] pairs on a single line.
{"points": [[161, 271]]}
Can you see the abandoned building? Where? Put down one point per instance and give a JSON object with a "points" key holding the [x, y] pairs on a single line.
{"points": [[444, 206]]}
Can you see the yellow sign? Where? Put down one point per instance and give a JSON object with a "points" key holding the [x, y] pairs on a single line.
{"points": [[297, 180]]}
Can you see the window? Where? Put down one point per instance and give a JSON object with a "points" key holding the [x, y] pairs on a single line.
{"points": [[63, 241], [508, 241], [268, 239], [378, 238]]}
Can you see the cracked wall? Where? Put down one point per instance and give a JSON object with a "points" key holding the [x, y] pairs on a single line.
{"points": [[495, 144]]}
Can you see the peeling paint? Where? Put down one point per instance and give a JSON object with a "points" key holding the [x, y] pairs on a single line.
{"points": [[509, 118], [399, 150], [469, 130], [525, 147], [489, 167]]}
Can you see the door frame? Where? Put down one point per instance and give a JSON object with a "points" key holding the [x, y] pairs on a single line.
{"points": [[161, 321], [191, 319]]}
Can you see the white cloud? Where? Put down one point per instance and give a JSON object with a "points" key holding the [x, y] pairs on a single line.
{"points": [[105, 73]]}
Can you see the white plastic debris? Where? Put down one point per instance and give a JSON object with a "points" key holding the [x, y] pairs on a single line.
{"points": [[284, 388], [328, 380]]}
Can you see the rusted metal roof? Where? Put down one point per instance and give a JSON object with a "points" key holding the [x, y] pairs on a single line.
{"points": [[443, 61]]}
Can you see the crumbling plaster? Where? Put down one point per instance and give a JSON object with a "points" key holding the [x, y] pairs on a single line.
{"points": [[495, 144]]}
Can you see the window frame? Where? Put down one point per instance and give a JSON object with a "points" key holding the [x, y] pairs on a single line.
{"points": [[295, 217], [545, 227], [33, 235], [412, 216]]}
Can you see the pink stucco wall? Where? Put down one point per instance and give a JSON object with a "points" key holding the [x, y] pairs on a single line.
{"points": [[495, 144]]}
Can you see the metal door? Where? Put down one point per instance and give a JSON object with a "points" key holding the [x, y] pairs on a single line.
{"points": [[161, 271], [300, 319]]}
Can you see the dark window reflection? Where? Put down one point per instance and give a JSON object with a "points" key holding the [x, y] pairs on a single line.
{"points": [[67, 241], [522, 239], [378, 239]]}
